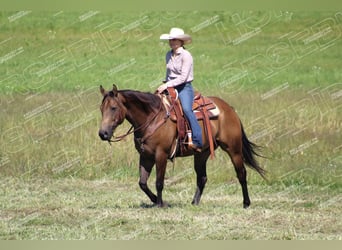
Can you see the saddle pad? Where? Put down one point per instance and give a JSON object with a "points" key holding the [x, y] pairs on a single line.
{"points": [[212, 113]]}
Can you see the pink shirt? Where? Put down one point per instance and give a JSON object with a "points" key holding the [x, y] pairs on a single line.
{"points": [[179, 67]]}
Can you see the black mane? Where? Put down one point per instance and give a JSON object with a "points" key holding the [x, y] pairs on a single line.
{"points": [[146, 101]]}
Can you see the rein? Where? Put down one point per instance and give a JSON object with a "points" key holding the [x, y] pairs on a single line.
{"points": [[121, 137]]}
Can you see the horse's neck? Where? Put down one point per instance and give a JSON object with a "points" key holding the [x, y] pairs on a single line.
{"points": [[135, 115]]}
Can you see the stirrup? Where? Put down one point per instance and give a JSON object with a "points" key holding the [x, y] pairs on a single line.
{"points": [[195, 148]]}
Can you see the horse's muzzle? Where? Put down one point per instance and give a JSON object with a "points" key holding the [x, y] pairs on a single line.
{"points": [[104, 135]]}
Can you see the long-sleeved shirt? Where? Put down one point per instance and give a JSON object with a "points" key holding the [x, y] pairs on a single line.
{"points": [[179, 67]]}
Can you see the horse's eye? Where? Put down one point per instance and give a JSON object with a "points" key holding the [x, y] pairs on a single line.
{"points": [[113, 108]]}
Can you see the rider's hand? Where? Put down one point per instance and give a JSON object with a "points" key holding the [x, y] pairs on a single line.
{"points": [[161, 88]]}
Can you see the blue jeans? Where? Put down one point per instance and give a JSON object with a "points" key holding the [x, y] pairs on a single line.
{"points": [[186, 97]]}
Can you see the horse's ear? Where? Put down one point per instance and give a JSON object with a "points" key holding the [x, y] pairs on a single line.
{"points": [[102, 90], [115, 90]]}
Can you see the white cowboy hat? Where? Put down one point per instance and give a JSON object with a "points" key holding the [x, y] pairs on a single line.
{"points": [[177, 33]]}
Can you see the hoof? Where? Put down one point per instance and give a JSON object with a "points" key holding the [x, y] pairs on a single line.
{"points": [[195, 203], [246, 205], [163, 205]]}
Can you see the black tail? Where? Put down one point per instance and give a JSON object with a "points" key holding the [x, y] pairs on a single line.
{"points": [[249, 151]]}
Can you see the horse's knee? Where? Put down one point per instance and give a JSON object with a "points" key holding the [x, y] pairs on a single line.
{"points": [[143, 186]]}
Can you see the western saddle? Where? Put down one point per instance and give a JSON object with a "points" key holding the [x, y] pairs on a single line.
{"points": [[204, 109]]}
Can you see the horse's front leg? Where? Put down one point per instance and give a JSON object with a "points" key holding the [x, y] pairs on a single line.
{"points": [[161, 162], [145, 167], [200, 161]]}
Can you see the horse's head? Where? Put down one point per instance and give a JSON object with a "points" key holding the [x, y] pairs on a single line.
{"points": [[113, 112]]}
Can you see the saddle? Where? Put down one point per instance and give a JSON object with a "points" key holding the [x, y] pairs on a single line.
{"points": [[204, 109]]}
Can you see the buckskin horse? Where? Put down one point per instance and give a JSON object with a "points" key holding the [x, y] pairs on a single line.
{"points": [[155, 138]]}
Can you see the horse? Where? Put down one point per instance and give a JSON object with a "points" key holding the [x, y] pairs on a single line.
{"points": [[155, 139]]}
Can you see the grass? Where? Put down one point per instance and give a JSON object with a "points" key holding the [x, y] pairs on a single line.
{"points": [[111, 209], [59, 181], [106, 50]]}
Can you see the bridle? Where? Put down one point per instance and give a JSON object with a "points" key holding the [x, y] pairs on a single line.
{"points": [[143, 126]]}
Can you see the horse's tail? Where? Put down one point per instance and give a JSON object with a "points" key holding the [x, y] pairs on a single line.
{"points": [[249, 153]]}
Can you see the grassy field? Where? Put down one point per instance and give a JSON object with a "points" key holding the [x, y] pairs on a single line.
{"points": [[280, 70]]}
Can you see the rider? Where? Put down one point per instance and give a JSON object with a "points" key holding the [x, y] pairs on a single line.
{"points": [[179, 74]]}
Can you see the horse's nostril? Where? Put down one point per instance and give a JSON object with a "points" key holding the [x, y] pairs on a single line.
{"points": [[103, 135]]}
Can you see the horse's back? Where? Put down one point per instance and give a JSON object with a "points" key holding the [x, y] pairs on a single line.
{"points": [[225, 108]]}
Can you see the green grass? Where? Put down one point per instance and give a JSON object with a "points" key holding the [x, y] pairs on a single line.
{"points": [[61, 52], [59, 181]]}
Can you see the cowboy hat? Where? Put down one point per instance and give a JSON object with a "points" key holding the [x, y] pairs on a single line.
{"points": [[177, 33]]}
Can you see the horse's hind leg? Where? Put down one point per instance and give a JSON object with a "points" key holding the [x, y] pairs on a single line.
{"points": [[145, 170], [242, 176], [200, 161], [237, 160]]}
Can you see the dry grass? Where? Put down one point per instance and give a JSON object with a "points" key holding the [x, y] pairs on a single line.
{"points": [[107, 209]]}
